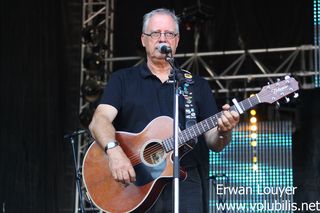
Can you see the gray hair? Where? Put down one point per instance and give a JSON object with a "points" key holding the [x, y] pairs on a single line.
{"points": [[148, 16]]}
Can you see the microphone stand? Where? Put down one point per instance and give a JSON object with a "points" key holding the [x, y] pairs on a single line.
{"points": [[71, 137], [177, 78]]}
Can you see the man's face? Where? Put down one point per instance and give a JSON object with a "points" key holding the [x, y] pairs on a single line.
{"points": [[159, 23]]}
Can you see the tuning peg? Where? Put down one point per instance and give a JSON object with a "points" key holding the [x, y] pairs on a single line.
{"points": [[277, 104], [296, 95], [287, 77], [287, 99]]}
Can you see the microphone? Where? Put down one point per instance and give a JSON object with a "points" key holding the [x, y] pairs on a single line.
{"points": [[164, 48]]}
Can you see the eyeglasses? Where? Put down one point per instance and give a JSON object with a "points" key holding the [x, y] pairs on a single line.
{"points": [[156, 35]]}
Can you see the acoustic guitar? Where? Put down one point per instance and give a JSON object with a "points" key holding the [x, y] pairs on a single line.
{"points": [[150, 153]]}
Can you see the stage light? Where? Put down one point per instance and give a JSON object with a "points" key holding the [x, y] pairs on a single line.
{"points": [[88, 34], [253, 120], [253, 128], [93, 34], [255, 167], [92, 61], [254, 135], [255, 159], [254, 143], [253, 112], [91, 90]]}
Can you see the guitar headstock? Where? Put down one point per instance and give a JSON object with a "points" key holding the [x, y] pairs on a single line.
{"points": [[273, 92]]}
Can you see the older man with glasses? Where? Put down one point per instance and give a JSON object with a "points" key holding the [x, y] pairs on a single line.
{"points": [[136, 96]]}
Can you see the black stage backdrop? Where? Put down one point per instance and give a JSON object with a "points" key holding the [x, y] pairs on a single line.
{"points": [[233, 25], [306, 148], [40, 69]]}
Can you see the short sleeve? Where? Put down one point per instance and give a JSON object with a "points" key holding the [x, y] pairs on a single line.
{"points": [[112, 93]]}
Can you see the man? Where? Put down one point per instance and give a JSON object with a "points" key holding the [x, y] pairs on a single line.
{"points": [[135, 96]]}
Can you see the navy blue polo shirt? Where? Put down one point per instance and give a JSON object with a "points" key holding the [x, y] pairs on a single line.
{"points": [[139, 96]]}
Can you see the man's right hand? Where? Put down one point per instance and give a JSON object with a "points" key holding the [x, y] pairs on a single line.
{"points": [[120, 166]]}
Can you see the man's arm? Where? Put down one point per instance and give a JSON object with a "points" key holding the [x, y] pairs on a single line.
{"points": [[220, 137], [103, 132]]}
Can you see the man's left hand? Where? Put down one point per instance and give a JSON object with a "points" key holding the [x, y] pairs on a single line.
{"points": [[228, 120]]}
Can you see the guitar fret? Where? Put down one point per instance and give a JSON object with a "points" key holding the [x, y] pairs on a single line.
{"points": [[217, 118], [243, 109], [258, 99], [246, 104], [171, 143], [191, 133], [165, 145], [199, 131], [207, 125], [187, 135], [249, 102], [194, 132], [211, 121], [182, 136], [202, 127]]}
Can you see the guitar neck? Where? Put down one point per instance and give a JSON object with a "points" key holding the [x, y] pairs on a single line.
{"points": [[207, 124]]}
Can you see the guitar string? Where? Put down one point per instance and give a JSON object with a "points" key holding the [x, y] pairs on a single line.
{"points": [[153, 148], [135, 159], [148, 151]]}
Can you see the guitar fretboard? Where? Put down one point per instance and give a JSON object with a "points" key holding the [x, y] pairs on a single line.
{"points": [[207, 124]]}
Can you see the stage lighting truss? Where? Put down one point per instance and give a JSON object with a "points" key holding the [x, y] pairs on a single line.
{"points": [[242, 71], [97, 46]]}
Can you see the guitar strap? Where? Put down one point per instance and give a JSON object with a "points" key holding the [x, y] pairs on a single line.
{"points": [[190, 112]]}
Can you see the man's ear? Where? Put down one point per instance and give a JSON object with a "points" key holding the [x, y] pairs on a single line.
{"points": [[178, 39], [142, 40]]}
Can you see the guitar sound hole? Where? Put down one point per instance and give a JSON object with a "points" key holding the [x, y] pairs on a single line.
{"points": [[153, 153]]}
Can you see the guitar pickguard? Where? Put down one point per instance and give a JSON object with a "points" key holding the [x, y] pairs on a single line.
{"points": [[145, 174]]}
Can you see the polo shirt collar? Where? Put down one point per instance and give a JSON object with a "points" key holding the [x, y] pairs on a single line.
{"points": [[145, 71]]}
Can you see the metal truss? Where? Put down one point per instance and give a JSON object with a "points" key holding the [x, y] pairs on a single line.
{"points": [[98, 34], [244, 70]]}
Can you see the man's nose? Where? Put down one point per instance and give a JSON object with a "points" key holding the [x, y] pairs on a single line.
{"points": [[162, 37]]}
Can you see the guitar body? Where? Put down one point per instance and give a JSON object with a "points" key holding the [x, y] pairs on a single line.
{"points": [[153, 167]]}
